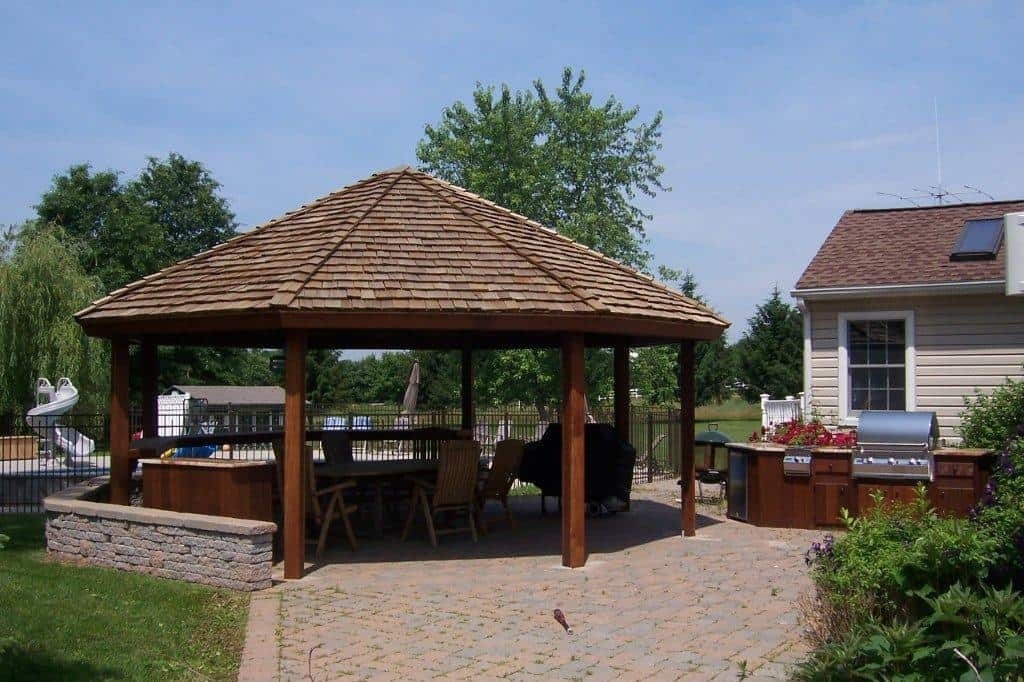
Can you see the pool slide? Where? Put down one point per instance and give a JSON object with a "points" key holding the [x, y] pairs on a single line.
{"points": [[51, 403]]}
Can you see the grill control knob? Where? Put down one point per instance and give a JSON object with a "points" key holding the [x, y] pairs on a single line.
{"points": [[871, 460], [892, 461], [913, 462]]}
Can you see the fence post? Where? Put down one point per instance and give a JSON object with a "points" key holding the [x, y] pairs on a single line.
{"points": [[650, 446]]}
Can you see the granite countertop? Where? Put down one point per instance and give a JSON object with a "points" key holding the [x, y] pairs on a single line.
{"points": [[777, 449]]}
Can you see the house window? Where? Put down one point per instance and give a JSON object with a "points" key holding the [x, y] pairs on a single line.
{"points": [[876, 362]]}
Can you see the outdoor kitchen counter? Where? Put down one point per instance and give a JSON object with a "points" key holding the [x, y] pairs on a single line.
{"points": [[220, 487], [763, 495]]}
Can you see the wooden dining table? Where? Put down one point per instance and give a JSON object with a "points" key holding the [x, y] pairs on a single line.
{"points": [[377, 474]]}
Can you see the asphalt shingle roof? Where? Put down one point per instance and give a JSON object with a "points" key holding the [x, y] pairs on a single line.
{"points": [[903, 246]]}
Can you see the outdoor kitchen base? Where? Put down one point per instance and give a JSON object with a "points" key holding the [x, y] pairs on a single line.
{"points": [[212, 550], [778, 493]]}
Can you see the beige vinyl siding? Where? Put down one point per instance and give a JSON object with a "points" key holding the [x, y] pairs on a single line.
{"points": [[963, 343]]}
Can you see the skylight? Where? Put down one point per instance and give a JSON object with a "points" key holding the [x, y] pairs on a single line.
{"points": [[979, 240]]}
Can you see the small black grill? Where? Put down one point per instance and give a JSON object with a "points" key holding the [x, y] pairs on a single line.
{"points": [[895, 444]]}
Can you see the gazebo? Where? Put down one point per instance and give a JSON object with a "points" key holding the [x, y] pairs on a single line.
{"points": [[401, 260]]}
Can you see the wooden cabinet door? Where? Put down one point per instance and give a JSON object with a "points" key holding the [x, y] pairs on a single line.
{"points": [[829, 498], [951, 500], [865, 501]]}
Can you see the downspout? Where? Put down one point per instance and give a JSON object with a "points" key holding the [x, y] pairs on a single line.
{"points": [[805, 312]]}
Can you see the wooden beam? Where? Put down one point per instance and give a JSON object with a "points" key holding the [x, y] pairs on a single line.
{"points": [[622, 391], [294, 498], [687, 405], [574, 548], [468, 411], [150, 372], [120, 430]]}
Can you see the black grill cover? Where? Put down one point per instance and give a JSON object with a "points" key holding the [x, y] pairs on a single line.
{"points": [[608, 463]]}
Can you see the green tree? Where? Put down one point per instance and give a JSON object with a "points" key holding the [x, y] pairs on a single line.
{"points": [[182, 199], [769, 357], [656, 369], [171, 211], [567, 162], [113, 239], [563, 160], [41, 287]]}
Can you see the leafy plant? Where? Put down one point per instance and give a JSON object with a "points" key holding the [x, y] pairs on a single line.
{"points": [[1000, 512], [964, 630], [990, 421]]}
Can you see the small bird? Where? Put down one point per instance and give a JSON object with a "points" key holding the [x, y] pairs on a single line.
{"points": [[560, 617]]}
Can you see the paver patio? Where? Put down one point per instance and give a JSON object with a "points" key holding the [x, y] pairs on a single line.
{"points": [[648, 604]]}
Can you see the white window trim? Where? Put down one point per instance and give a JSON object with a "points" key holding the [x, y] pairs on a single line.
{"points": [[845, 418]]}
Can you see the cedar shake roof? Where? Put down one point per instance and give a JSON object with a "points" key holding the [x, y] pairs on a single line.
{"points": [[233, 395], [400, 243], [903, 246]]}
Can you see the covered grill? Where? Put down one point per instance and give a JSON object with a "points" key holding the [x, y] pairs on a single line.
{"points": [[895, 444]]}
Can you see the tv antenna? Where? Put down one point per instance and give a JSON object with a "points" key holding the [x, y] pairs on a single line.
{"points": [[937, 193]]}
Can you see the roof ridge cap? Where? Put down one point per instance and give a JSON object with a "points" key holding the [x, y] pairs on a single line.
{"points": [[533, 261], [280, 294], [584, 247], [934, 208]]}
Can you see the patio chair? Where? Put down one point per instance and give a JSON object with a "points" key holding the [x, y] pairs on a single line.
{"points": [[321, 514], [454, 491], [508, 454]]}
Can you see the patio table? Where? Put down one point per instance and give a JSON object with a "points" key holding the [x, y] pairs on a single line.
{"points": [[376, 474]]}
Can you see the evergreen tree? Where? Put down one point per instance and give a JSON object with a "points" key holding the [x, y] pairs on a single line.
{"points": [[769, 357]]}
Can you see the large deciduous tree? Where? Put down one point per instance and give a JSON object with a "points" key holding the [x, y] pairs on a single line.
{"points": [[769, 357], [568, 162], [125, 231], [42, 285]]}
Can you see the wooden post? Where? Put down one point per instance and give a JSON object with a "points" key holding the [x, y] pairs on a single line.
{"points": [[622, 391], [150, 372], [468, 415], [294, 454], [687, 405], [120, 429], [574, 548]]}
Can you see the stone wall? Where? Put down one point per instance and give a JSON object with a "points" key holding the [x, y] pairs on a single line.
{"points": [[213, 550]]}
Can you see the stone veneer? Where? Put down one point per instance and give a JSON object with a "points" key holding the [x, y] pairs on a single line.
{"points": [[213, 550]]}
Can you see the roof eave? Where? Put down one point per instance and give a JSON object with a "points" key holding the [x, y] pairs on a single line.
{"points": [[991, 286]]}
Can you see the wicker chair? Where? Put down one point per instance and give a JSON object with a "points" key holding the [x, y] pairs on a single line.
{"points": [[454, 491], [499, 479], [321, 514]]}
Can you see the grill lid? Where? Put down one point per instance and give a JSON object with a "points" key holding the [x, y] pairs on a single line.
{"points": [[898, 428]]}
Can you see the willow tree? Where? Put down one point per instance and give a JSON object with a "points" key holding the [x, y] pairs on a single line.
{"points": [[42, 285]]}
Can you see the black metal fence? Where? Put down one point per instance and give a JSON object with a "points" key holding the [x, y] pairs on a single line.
{"points": [[47, 454]]}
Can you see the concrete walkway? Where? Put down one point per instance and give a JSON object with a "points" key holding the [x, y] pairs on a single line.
{"points": [[649, 604]]}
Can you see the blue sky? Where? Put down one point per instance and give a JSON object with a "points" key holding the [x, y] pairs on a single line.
{"points": [[777, 117]]}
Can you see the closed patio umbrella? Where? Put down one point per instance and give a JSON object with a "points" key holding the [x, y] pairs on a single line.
{"points": [[412, 390]]}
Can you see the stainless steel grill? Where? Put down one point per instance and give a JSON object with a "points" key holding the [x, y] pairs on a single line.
{"points": [[895, 444]]}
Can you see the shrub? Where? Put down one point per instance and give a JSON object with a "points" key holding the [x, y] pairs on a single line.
{"points": [[891, 552], [1001, 513], [963, 629], [989, 421]]}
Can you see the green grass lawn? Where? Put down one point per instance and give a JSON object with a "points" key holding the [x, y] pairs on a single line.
{"points": [[64, 622]]}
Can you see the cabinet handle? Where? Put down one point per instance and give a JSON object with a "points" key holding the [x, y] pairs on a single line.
{"points": [[842, 490], [830, 467]]}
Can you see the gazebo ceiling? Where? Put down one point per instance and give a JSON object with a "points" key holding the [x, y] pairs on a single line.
{"points": [[400, 259]]}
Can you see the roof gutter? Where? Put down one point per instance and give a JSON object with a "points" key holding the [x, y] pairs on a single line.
{"points": [[992, 286]]}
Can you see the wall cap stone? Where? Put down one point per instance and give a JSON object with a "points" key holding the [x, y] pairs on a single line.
{"points": [[73, 500]]}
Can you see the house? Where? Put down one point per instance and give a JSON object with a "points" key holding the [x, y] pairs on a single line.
{"points": [[182, 407], [909, 308]]}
